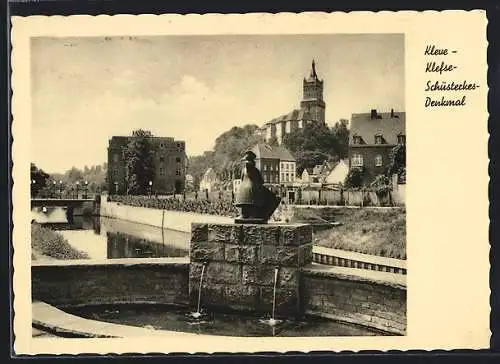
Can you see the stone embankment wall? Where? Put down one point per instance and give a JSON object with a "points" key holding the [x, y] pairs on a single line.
{"points": [[368, 298], [118, 281], [173, 220]]}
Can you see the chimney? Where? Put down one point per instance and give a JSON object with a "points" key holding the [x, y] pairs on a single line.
{"points": [[373, 114], [392, 113]]}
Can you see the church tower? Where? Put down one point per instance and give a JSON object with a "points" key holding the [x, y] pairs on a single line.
{"points": [[312, 101]]}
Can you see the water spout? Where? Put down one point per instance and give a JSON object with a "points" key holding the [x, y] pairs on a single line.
{"points": [[274, 294], [272, 321], [197, 314]]}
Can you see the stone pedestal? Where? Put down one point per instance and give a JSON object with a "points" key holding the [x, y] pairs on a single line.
{"points": [[240, 262]]}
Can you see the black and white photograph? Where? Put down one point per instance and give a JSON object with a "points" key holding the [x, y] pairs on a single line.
{"points": [[217, 186], [285, 218]]}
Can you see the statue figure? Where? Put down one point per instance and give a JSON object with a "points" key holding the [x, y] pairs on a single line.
{"points": [[256, 202]]}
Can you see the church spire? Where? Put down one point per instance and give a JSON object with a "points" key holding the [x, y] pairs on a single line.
{"points": [[314, 75]]}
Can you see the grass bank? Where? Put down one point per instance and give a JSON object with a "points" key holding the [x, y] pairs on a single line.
{"points": [[46, 244], [379, 232]]}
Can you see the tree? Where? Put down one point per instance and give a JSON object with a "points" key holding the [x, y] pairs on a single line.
{"points": [[73, 175], [381, 184], [38, 179], [315, 143], [273, 142], [397, 164], [230, 147], [341, 133], [197, 165], [354, 178], [309, 159], [139, 166]]}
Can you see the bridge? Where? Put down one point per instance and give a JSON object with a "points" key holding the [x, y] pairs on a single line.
{"points": [[65, 202]]}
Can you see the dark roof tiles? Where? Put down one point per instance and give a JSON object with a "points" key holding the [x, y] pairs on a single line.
{"points": [[366, 127], [267, 151]]}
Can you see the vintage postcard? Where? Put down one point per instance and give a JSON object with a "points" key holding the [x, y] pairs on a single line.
{"points": [[291, 182]]}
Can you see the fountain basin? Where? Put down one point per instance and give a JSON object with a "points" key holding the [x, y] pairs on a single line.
{"points": [[375, 300], [158, 320]]}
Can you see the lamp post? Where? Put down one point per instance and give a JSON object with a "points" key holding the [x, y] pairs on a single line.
{"points": [[150, 188], [77, 185], [60, 189], [54, 183], [86, 188], [33, 187]]}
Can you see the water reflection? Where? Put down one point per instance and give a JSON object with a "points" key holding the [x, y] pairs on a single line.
{"points": [[104, 238], [128, 246]]}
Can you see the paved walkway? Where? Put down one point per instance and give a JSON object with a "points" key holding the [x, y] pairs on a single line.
{"points": [[59, 322], [389, 279]]}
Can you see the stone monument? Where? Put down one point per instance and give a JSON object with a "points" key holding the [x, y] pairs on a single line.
{"points": [[245, 262]]}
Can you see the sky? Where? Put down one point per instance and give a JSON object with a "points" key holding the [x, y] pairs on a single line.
{"points": [[85, 90]]}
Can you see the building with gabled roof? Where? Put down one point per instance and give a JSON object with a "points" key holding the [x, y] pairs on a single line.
{"points": [[337, 174], [372, 137], [276, 164]]}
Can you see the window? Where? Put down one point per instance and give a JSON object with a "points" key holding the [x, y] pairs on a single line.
{"points": [[265, 167], [356, 139], [282, 176], [378, 139], [401, 139], [177, 159], [178, 172], [378, 161], [161, 145], [282, 165], [162, 172], [116, 157], [357, 160]]}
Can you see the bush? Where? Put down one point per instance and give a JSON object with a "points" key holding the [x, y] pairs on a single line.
{"points": [[221, 207], [355, 177], [50, 243]]}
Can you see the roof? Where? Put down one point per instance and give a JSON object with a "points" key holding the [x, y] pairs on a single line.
{"points": [[318, 169], [313, 76], [367, 127], [294, 115], [262, 150]]}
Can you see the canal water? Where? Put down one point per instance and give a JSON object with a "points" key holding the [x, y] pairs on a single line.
{"points": [[105, 238]]}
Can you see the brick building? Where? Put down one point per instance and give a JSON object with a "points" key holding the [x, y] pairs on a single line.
{"points": [[372, 137], [169, 165], [312, 109]]}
